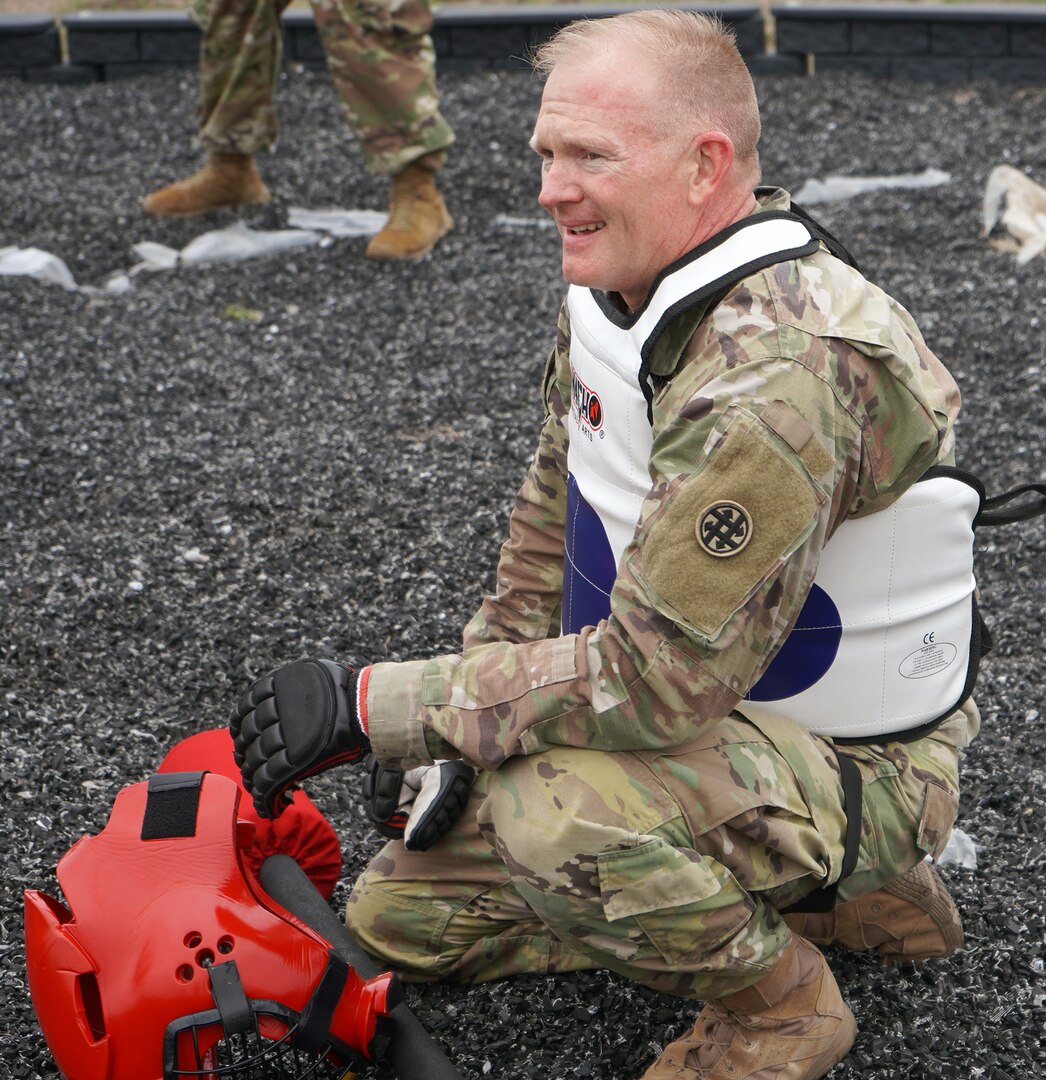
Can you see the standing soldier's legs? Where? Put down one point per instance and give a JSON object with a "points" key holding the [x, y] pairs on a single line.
{"points": [[384, 66], [239, 63], [383, 63]]}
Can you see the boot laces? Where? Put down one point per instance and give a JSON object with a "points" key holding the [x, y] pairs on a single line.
{"points": [[718, 1034]]}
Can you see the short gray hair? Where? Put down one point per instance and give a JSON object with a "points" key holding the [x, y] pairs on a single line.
{"points": [[696, 56]]}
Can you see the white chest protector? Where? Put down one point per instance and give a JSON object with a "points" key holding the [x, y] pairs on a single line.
{"points": [[888, 640]]}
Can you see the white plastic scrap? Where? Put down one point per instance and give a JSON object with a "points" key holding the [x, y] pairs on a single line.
{"points": [[156, 256], [338, 223], [32, 262], [959, 851], [507, 221], [836, 188], [42, 265], [1025, 214], [233, 244]]}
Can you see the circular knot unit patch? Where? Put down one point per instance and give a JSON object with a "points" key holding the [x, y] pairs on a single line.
{"points": [[724, 528]]}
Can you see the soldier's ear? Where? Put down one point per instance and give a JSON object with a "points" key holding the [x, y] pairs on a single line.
{"points": [[711, 159]]}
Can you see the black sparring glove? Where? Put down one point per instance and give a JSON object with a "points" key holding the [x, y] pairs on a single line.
{"points": [[299, 720], [417, 805]]}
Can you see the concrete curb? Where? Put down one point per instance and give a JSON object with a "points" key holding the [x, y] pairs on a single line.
{"points": [[933, 42]]}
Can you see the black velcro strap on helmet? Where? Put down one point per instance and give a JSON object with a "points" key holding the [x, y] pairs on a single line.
{"points": [[233, 1006], [316, 1017], [171, 805]]}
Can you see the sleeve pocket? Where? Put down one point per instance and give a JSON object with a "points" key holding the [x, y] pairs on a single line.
{"points": [[500, 672]]}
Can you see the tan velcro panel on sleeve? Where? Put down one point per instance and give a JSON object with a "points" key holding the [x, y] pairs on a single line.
{"points": [[748, 467]]}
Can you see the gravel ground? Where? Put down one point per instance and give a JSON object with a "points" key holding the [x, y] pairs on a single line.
{"points": [[230, 467]]}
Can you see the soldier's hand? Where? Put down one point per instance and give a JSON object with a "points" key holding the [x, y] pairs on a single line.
{"points": [[418, 805], [297, 721]]}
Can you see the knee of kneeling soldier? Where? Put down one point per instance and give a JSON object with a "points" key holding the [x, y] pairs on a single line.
{"points": [[544, 810], [398, 928]]}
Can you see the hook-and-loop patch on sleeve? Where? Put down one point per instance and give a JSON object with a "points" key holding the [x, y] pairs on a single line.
{"points": [[727, 527]]}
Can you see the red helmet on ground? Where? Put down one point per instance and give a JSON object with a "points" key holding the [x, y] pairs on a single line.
{"points": [[171, 961]]}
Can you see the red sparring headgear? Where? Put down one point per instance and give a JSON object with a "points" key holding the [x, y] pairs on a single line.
{"points": [[301, 831], [171, 961]]}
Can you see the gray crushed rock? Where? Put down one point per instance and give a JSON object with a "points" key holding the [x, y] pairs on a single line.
{"points": [[343, 463]]}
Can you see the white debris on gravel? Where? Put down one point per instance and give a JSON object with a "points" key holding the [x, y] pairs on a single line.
{"points": [[837, 188], [961, 850]]}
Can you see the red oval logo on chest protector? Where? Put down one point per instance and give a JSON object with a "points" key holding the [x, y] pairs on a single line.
{"points": [[585, 403]]}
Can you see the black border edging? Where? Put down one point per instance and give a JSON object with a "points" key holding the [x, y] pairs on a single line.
{"points": [[930, 42], [28, 42]]}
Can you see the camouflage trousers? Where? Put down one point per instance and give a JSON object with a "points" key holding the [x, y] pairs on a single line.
{"points": [[669, 868], [379, 53]]}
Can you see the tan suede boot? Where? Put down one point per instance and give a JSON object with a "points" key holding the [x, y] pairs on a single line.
{"points": [[226, 180], [417, 215], [792, 1025], [912, 918]]}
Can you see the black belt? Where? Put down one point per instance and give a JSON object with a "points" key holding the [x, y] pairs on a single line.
{"points": [[823, 899]]}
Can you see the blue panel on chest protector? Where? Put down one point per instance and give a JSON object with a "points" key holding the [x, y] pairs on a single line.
{"points": [[806, 655], [589, 568]]}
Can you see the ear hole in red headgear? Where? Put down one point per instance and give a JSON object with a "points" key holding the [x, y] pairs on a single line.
{"points": [[90, 1001]]}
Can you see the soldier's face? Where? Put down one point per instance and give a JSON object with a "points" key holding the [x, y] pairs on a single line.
{"points": [[615, 177]]}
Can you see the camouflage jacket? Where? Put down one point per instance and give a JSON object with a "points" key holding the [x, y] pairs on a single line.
{"points": [[806, 393]]}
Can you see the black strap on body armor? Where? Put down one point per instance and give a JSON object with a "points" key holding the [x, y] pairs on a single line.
{"points": [[834, 246], [992, 512], [824, 898]]}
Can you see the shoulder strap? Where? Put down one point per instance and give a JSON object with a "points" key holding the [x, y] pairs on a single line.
{"points": [[992, 512], [817, 229]]}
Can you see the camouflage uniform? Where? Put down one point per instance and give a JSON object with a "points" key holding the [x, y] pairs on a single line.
{"points": [[633, 812], [380, 55]]}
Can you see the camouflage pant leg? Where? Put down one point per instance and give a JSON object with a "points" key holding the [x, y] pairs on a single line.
{"points": [[384, 66], [600, 846], [669, 868], [911, 797], [239, 64], [452, 912]]}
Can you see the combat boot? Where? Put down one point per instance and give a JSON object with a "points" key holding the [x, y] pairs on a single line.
{"points": [[913, 918], [417, 214], [226, 180], [792, 1025]]}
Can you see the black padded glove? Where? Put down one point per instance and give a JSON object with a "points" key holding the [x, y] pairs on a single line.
{"points": [[417, 805], [299, 720]]}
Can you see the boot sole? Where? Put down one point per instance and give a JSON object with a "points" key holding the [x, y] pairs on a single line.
{"points": [[204, 209]]}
